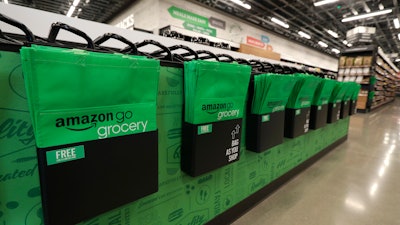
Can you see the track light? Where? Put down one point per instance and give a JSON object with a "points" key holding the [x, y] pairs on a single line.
{"points": [[396, 23], [323, 44], [324, 2], [367, 15], [337, 51], [241, 3], [70, 11], [304, 35], [334, 34], [280, 22]]}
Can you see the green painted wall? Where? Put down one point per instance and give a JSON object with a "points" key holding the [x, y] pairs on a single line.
{"points": [[181, 200]]}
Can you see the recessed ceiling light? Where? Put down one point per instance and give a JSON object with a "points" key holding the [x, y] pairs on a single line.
{"points": [[324, 2], [304, 35], [323, 44], [280, 22]]}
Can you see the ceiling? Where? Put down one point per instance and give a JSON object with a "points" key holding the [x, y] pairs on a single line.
{"points": [[300, 15]]}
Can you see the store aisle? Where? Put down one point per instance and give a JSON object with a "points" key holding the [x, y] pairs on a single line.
{"points": [[357, 183]]}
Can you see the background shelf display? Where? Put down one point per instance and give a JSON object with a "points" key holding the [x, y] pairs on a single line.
{"points": [[376, 74]]}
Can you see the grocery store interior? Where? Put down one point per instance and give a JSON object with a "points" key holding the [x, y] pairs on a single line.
{"points": [[190, 112]]}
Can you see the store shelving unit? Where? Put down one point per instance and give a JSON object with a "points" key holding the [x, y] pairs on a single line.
{"points": [[371, 68]]}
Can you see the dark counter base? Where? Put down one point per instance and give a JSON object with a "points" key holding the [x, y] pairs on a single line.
{"points": [[244, 206]]}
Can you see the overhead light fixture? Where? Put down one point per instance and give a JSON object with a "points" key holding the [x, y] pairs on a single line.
{"points": [[280, 22], [397, 60], [381, 7], [354, 11], [72, 8], [70, 11], [396, 23], [367, 15], [337, 51], [349, 44], [323, 44], [345, 42], [366, 8], [334, 34], [398, 35], [324, 2], [304, 35], [241, 3], [6, 1]]}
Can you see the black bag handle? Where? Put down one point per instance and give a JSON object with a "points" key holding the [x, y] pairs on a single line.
{"points": [[256, 65], [55, 29], [7, 39], [105, 37], [268, 67], [153, 54], [183, 56], [28, 33], [242, 61], [228, 58], [207, 55]]}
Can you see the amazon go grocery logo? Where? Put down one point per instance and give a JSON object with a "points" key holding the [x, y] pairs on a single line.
{"points": [[106, 123]]}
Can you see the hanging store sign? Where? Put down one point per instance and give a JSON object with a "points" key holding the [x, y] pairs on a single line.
{"points": [[192, 21], [254, 42]]}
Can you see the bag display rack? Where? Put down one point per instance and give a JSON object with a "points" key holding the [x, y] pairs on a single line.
{"points": [[165, 152]]}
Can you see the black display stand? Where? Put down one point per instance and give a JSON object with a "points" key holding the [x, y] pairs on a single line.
{"points": [[318, 116], [333, 112], [297, 122], [353, 107], [114, 171], [206, 147], [344, 110], [264, 131]]}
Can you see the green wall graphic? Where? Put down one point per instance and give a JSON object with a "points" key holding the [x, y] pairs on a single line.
{"points": [[181, 199]]}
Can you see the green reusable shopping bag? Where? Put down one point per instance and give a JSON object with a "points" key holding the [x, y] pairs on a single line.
{"points": [[214, 91], [91, 109], [76, 95], [338, 92], [323, 92], [214, 98], [271, 92], [303, 91], [268, 95]]}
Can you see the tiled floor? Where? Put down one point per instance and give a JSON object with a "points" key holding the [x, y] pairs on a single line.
{"points": [[358, 183]]}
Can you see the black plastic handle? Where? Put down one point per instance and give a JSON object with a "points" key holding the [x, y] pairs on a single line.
{"points": [[7, 39], [55, 29], [206, 55], [105, 37], [183, 56], [242, 61], [228, 58], [268, 67], [256, 64], [154, 54], [28, 33]]}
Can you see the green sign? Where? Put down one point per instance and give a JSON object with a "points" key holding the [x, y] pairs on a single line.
{"points": [[265, 118], [199, 29], [65, 155], [204, 129], [192, 21]]}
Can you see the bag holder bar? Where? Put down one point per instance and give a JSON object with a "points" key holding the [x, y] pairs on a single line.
{"points": [[183, 56], [105, 37], [55, 29]]}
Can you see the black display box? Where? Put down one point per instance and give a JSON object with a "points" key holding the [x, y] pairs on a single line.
{"points": [[318, 116], [114, 171], [353, 107], [297, 122], [264, 131], [206, 147], [344, 109], [333, 112]]}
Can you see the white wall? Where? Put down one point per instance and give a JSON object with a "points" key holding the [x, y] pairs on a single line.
{"points": [[235, 31]]}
